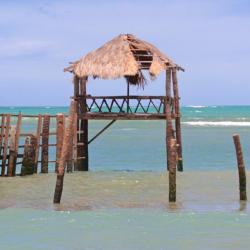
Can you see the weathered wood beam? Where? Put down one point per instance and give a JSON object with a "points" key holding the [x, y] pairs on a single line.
{"points": [[241, 168], [37, 147], [5, 145], [169, 128], [65, 148], [45, 144], [11, 161], [172, 170], [100, 132], [60, 121], [177, 120]]}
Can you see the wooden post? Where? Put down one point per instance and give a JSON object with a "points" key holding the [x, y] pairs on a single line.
{"points": [[38, 135], [177, 120], [65, 148], [5, 149], [69, 157], [128, 97], [172, 170], [169, 127], [83, 161], [29, 156], [11, 161], [2, 133], [18, 129], [45, 144], [60, 121], [75, 136], [241, 168], [77, 111]]}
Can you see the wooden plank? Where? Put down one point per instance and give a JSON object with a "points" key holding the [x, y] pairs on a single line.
{"points": [[120, 97], [172, 170], [75, 136], [124, 116], [17, 136], [65, 148], [2, 133], [45, 144], [6, 137], [60, 124], [11, 161], [177, 120], [82, 151], [37, 147], [169, 128]]}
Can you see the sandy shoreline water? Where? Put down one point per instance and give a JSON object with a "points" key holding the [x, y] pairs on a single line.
{"points": [[197, 191]]}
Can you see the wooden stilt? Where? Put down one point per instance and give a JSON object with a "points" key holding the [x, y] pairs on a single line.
{"points": [[65, 148], [2, 133], [11, 161], [83, 138], [169, 127], [18, 130], [128, 96], [45, 144], [77, 111], [75, 136], [177, 120], [38, 136], [241, 168], [172, 170], [5, 149], [29, 156], [69, 158], [60, 120]]}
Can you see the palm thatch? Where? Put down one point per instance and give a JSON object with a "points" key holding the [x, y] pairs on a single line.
{"points": [[124, 56]]}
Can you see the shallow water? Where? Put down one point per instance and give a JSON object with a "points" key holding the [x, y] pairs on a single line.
{"points": [[122, 203], [196, 191]]}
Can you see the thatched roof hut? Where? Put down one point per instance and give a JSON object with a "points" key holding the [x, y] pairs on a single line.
{"points": [[124, 56]]}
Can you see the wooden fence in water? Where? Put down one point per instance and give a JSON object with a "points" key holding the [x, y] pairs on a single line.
{"points": [[23, 152]]}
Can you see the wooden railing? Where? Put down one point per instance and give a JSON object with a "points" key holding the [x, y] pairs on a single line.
{"points": [[125, 104]]}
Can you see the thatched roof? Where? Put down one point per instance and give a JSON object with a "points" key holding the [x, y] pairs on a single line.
{"points": [[124, 56]]}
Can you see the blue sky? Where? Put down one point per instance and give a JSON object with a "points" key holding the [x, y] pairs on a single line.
{"points": [[209, 38]]}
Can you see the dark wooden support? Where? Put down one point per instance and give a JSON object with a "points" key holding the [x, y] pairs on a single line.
{"points": [[17, 135], [177, 120], [100, 132], [241, 168], [28, 162], [77, 111], [60, 121], [172, 170], [11, 161], [75, 136], [2, 133], [45, 144], [127, 97], [69, 157], [5, 145], [38, 135], [64, 153], [169, 127], [82, 152]]}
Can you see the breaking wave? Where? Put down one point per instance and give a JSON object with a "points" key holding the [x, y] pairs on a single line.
{"points": [[218, 123]]}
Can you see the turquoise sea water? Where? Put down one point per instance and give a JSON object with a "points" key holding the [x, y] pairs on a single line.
{"points": [[122, 203]]}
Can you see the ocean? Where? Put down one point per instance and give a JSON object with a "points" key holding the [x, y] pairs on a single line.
{"points": [[122, 202]]}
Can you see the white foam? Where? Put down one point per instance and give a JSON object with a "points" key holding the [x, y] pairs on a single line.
{"points": [[218, 123], [196, 106]]}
